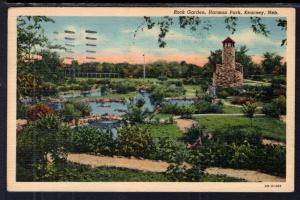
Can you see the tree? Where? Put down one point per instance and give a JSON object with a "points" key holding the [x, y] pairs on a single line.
{"points": [[270, 62], [31, 69], [135, 141], [195, 23], [38, 143]]}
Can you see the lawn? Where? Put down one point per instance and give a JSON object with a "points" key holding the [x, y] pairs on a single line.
{"points": [[164, 130], [270, 128], [232, 109], [190, 90]]}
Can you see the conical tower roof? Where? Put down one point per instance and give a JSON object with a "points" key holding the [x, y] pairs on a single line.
{"points": [[228, 40]]}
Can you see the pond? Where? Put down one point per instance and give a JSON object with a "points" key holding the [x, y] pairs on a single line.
{"points": [[113, 108], [91, 93], [179, 102]]}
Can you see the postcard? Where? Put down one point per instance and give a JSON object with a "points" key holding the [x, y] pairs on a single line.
{"points": [[151, 99]]}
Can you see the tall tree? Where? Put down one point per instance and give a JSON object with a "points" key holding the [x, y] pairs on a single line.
{"points": [[271, 61]]}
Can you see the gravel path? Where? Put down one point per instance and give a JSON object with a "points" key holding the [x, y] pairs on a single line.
{"points": [[122, 162], [184, 124], [160, 166]]}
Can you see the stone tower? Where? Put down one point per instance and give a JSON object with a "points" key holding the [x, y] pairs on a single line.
{"points": [[229, 73]]}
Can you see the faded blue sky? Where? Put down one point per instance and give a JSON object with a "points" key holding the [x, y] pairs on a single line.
{"points": [[116, 42]]}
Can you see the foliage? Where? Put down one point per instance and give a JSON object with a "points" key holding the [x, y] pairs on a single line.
{"points": [[183, 110], [182, 173], [71, 172], [134, 141], [224, 92], [276, 107], [203, 106], [195, 134], [241, 100], [21, 110], [280, 103], [159, 92], [74, 110], [69, 112], [238, 135], [249, 109], [39, 111], [136, 113], [270, 62], [239, 147], [269, 128], [169, 149], [196, 24], [39, 140], [88, 139]]}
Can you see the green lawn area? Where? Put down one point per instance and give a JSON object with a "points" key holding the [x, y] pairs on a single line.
{"points": [[232, 109], [163, 116], [163, 130], [190, 90], [271, 128]]}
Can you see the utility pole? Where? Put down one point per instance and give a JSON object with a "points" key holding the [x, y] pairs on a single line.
{"points": [[144, 67]]}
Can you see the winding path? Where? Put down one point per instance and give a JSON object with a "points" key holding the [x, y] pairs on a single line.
{"points": [[160, 166]]}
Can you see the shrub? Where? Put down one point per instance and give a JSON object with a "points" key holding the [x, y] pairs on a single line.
{"points": [[21, 110], [134, 141], [206, 107], [159, 92], [240, 100], [123, 87], [182, 173], [194, 134], [169, 150], [223, 92], [238, 135], [69, 112], [46, 89], [276, 107], [178, 83], [43, 138], [83, 107], [39, 111], [89, 139], [280, 104], [75, 110], [162, 78], [183, 110]]}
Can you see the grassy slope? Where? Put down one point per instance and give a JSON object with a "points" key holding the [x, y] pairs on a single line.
{"points": [[271, 128]]}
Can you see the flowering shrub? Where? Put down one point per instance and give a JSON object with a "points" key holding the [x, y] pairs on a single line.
{"points": [[39, 111]]}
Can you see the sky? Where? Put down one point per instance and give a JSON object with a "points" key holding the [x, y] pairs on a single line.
{"points": [[116, 43]]}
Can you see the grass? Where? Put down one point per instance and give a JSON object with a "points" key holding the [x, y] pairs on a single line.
{"points": [[190, 90], [163, 116], [231, 109], [71, 172], [164, 130], [270, 128]]}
